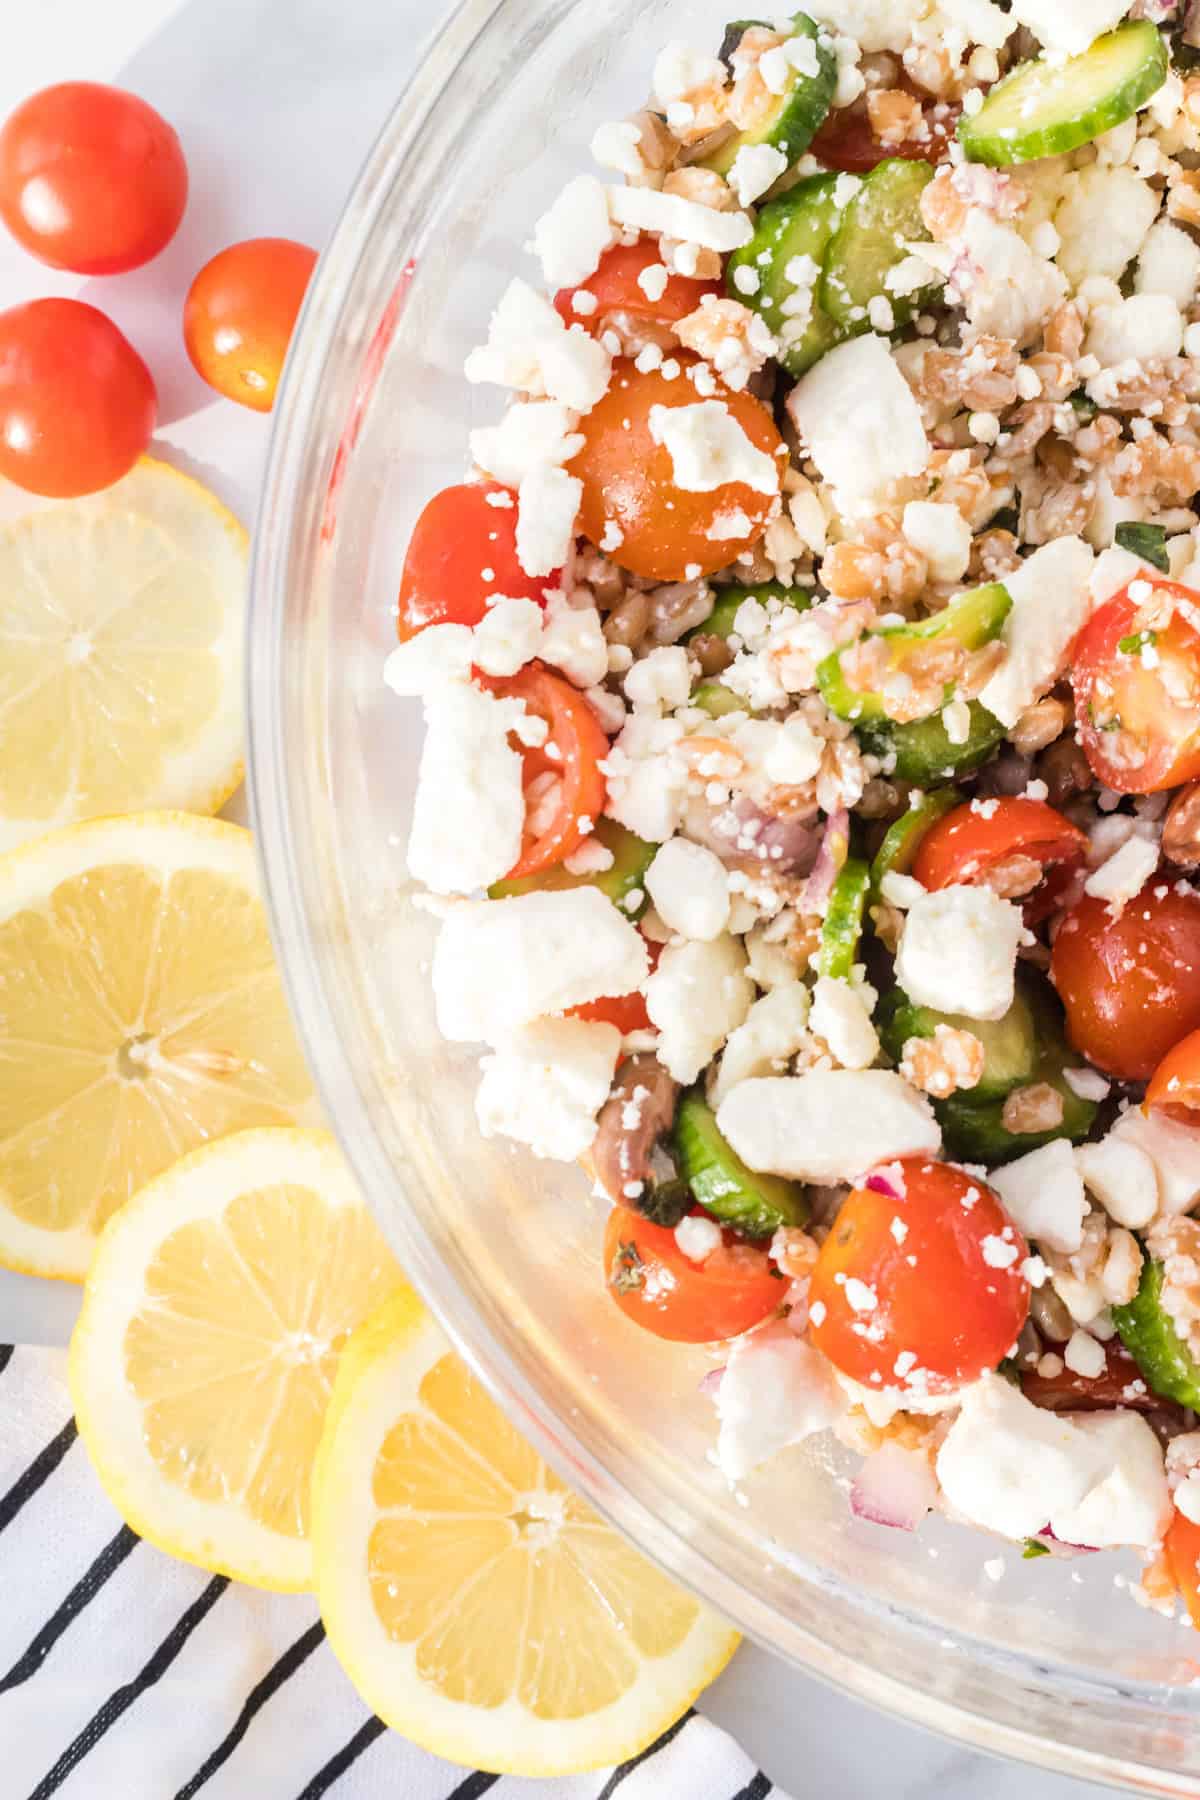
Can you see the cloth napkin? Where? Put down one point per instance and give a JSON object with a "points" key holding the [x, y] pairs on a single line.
{"points": [[125, 1675]]}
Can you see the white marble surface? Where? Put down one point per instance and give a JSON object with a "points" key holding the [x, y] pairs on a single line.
{"points": [[277, 102]]}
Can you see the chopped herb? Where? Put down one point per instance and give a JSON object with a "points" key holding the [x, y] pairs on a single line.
{"points": [[1084, 408], [628, 1272], [664, 1202], [1136, 642], [1033, 1548], [1147, 541]]}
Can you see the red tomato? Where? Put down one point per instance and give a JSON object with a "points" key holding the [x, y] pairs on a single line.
{"points": [[1121, 1384], [629, 479], [579, 745], [919, 1278], [970, 845], [1136, 678], [616, 289], [77, 403], [1181, 1547], [91, 178], [846, 140], [657, 1286], [628, 1011], [1175, 1085], [239, 315], [1130, 985], [462, 549]]}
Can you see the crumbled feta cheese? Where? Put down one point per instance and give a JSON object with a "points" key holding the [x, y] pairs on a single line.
{"points": [[942, 535], [756, 167], [1127, 1501], [572, 236], [546, 1085], [839, 1016], [1052, 601], [1006, 288], [775, 1028], [469, 809], [647, 785], [1102, 218], [859, 421], [1084, 1355], [532, 434], [709, 449], [958, 951], [530, 348], [429, 659], [1123, 876], [573, 641], [776, 1390], [829, 1125], [507, 636], [871, 24], [794, 753], [1135, 330], [661, 679], [696, 996], [1171, 1148], [698, 1237], [689, 886], [653, 281], [670, 215], [679, 71], [547, 507], [1089, 1084], [1169, 263], [1122, 1178], [617, 145], [981, 21], [1043, 1194], [499, 964], [1068, 27]]}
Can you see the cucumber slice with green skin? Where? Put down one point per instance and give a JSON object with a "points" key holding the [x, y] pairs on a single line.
{"points": [[922, 752], [719, 622], [1149, 1335], [974, 620], [898, 851], [631, 858], [841, 929], [717, 700], [794, 117], [1010, 1045], [755, 1205], [880, 221], [792, 234], [1047, 108], [974, 1130]]}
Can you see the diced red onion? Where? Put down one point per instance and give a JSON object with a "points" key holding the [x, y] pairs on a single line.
{"points": [[830, 858], [1059, 1547], [894, 1487], [711, 1382], [724, 832], [1157, 11], [880, 1182]]}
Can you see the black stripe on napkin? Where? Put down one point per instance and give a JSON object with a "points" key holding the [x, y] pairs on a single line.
{"points": [[473, 1786], [758, 1789], [40, 1470], [337, 1765], [6, 1351], [272, 1681], [119, 1702], [660, 1743], [85, 1590]]}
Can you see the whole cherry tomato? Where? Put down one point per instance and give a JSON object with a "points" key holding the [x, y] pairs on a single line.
{"points": [[657, 1286], [922, 1291], [239, 315], [1136, 676], [847, 141], [1181, 1547], [633, 502], [566, 786], [463, 548], [1175, 1085], [1131, 984], [1009, 844], [91, 178], [77, 403], [616, 288]]}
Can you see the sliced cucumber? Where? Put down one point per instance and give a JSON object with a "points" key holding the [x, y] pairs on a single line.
{"points": [[974, 619], [1010, 1044], [923, 753], [1048, 108], [841, 928], [784, 260], [1150, 1337], [755, 1205], [880, 221], [631, 858], [720, 621], [717, 700], [794, 117], [898, 851]]}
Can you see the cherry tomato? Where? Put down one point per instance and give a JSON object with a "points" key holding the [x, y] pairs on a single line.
{"points": [[463, 548], [657, 1286], [77, 403], [1181, 1547], [1131, 984], [91, 178], [1136, 676], [627, 1011], [578, 744], [616, 289], [1175, 1085], [971, 845], [1120, 1384], [924, 1291], [846, 140], [665, 530], [239, 314]]}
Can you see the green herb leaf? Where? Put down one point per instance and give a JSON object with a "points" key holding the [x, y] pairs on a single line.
{"points": [[1147, 541], [1135, 643], [1033, 1548]]}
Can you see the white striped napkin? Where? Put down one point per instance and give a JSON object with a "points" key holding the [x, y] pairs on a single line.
{"points": [[127, 1676]]}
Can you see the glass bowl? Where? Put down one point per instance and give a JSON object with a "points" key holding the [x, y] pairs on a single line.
{"points": [[1051, 1662]]}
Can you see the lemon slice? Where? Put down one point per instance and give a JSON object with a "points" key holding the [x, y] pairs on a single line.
{"points": [[141, 1012], [121, 621], [203, 1359], [478, 1606]]}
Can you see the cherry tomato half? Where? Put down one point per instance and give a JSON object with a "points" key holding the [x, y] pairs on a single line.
{"points": [[657, 1286], [1131, 984], [1119, 1384], [1175, 1085], [1001, 838], [463, 548], [239, 315], [1181, 1547], [1136, 676], [568, 763], [616, 289], [91, 178], [846, 140], [924, 1291], [77, 403], [665, 531]]}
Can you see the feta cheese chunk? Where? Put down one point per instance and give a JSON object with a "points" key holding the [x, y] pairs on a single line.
{"points": [[532, 434], [1172, 1150], [775, 1028], [469, 809], [573, 641], [958, 951], [1169, 263], [670, 215], [689, 886], [1135, 330], [840, 1017], [1127, 1500], [1007, 288], [1052, 601], [1122, 1178], [547, 505], [696, 996], [660, 679], [546, 1085], [1102, 219], [1122, 878], [872, 24], [776, 1390], [942, 535], [498, 964], [859, 421], [529, 348], [573, 235], [756, 167], [508, 635], [1068, 27], [830, 1125], [679, 70], [709, 449], [1043, 1194], [430, 659]]}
